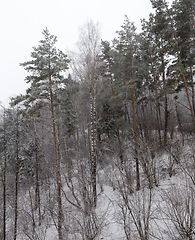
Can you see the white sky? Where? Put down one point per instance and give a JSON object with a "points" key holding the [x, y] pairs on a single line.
{"points": [[22, 22]]}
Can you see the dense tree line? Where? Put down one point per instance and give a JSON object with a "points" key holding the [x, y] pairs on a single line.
{"points": [[109, 105]]}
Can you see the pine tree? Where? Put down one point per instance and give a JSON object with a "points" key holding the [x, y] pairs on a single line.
{"points": [[164, 42], [126, 45], [108, 63], [149, 54], [46, 79], [183, 12], [179, 63]]}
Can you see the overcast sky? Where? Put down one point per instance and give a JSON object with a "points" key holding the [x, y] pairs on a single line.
{"points": [[22, 22]]}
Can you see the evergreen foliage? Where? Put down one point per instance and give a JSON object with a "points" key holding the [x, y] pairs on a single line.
{"points": [[120, 107], [46, 68]]}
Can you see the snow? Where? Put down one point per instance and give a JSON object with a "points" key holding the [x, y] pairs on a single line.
{"points": [[171, 201]]}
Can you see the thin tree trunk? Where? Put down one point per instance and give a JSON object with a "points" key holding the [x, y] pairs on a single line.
{"points": [[135, 129], [77, 139], [4, 199], [68, 160], [37, 190], [142, 113], [31, 203], [182, 72], [166, 102], [156, 95], [4, 178], [116, 120], [60, 215], [93, 139], [16, 180], [192, 81]]}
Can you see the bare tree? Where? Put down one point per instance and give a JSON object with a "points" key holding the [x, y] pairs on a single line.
{"points": [[135, 207], [86, 71], [178, 211]]}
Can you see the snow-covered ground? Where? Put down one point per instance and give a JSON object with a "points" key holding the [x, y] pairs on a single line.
{"points": [[164, 212]]}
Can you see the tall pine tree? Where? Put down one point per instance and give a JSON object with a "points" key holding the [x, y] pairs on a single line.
{"points": [[46, 79]]}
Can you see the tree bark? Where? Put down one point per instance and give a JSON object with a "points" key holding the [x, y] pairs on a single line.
{"points": [[182, 72], [37, 190], [60, 215], [116, 120], [156, 95], [93, 139], [135, 129], [166, 102], [4, 178], [16, 179], [192, 81]]}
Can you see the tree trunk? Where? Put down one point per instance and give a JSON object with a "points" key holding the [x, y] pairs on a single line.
{"points": [[116, 120], [4, 178], [182, 72], [60, 215], [156, 95], [166, 102], [135, 129], [142, 113], [192, 81], [16, 179], [31, 203], [93, 139], [37, 191]]}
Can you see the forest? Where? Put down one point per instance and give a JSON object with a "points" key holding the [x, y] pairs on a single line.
{"points": [[102, 144]]}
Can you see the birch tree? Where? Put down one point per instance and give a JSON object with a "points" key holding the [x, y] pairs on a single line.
{"points": [[86, 70]]}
